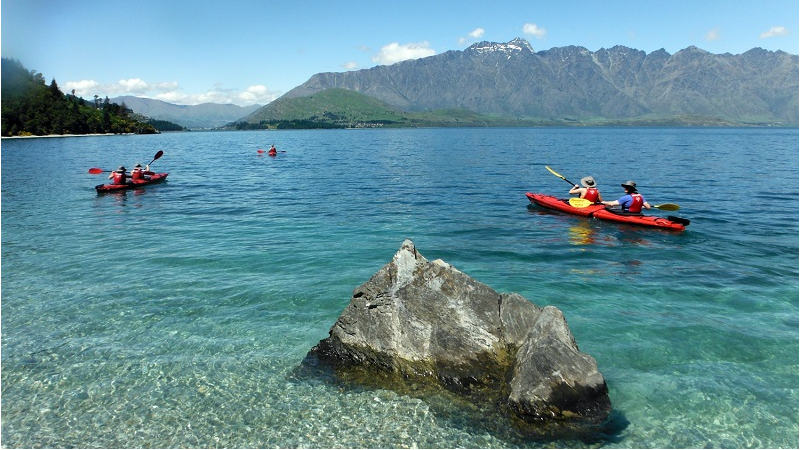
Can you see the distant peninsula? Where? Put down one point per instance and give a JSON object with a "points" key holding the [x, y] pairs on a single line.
{"points": [[509, 84]]}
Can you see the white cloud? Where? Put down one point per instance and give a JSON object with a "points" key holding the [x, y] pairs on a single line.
{"points": [[534, 30], [774, 31], [712, 35], [350, 65], [83, 88], [257, 94], [476, 33], [134, 85], [171, 92], [395, 52]]}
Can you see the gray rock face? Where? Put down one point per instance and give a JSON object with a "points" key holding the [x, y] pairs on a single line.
{"points": [[425, 320]]}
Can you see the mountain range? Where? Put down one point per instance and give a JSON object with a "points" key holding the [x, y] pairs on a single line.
{"points": [[574, 85], [203, 116]]}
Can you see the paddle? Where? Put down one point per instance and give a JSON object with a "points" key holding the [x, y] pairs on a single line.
{"points": [[96, 170], [576, 202], [559, 175], [158, 155]]}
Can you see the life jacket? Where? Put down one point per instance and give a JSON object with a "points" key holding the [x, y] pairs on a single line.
{"points": [[592, 194], [119, 178], [137, 175], [636, 203]]}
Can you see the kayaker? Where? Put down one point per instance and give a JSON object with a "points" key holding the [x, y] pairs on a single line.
{"points": [[119, 176], [137, 173], [632, 202], [588, 191], [272, 150]]}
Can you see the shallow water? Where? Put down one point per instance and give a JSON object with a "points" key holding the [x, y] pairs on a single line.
{"points": [[174, 316]]}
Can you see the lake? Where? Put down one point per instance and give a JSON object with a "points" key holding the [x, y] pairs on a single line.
{"points": [[176, 315]]}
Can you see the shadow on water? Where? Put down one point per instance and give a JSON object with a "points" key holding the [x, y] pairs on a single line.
{"points": [[477, 412]]}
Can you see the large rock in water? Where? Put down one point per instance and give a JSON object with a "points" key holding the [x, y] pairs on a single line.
{"points": [[418, 319]]}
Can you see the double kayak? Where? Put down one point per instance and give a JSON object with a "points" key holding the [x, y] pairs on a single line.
{"points": [[600, 212], [133, 184]]}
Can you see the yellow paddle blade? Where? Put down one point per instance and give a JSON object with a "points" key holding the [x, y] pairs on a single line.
{"points": [[555, 173], [576, 202], [667, 207]]}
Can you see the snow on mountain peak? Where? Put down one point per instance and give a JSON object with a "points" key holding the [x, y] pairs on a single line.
{"points": [[516, 45]]}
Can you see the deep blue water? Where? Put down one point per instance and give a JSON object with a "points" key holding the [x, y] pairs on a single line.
{"points": [[174, 316]]}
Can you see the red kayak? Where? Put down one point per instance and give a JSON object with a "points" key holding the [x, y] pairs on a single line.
{"points": [[154, 178], [548, 201], [600, 212], [638, 219]]}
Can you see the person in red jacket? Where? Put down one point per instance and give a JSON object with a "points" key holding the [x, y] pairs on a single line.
{"points": [[632, 202], [588, 191], [137, 173], [119, 176]]}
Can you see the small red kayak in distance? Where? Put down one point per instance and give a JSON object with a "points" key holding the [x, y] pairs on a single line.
{"points": [[599, 211], [154, 178]]}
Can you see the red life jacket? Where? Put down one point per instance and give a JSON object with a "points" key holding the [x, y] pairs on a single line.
{"points": [[592, 194], [636, 203], [137, 175], [119, 178]]}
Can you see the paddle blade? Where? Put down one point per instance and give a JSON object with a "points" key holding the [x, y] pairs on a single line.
{"points": [[158, 155], [555, 173], [576, 202], [95, 170], [668, 207], [261, 150]]}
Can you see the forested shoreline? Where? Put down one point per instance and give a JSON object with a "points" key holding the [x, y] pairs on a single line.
{"points": [[31, 107]]}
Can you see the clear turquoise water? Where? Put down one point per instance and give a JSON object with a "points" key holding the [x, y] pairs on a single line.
{"points": [[175, 316]]}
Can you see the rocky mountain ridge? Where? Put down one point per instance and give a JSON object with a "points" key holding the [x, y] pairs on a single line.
{"points": [[202, 116], [574, 83]]}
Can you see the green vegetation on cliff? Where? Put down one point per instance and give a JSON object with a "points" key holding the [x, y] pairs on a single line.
{"points": [[342, 108], [31, 107]]}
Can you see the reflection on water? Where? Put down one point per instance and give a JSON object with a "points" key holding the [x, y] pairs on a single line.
{"points": [[581, 234]]}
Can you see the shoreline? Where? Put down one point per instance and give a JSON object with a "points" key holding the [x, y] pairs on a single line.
{"points": [[66, 135]]}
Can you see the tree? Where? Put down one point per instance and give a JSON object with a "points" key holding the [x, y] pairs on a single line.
{"points": [[54, 91], [29, 106]]}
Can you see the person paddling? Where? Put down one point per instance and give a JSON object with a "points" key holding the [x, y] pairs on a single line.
{"points": [[273, 150], [632, 202], [137, 173], [588, 191], [119, 176]]}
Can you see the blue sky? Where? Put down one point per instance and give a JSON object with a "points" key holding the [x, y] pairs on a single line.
{"points": [[245, 52]]}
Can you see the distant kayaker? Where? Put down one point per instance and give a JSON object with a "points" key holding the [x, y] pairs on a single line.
{"points": [[119, 176], [273, 149], [632, 201], [588, 191]]}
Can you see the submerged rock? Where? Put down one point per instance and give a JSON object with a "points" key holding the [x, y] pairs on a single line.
{"points": [[425, 321]]}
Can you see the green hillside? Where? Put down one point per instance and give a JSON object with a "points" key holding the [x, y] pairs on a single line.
{"points": [[31, 107], [341, 108]]}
